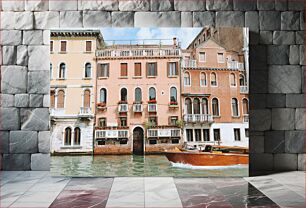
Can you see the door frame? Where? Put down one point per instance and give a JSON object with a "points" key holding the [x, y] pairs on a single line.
{"points": [[144, 144]]}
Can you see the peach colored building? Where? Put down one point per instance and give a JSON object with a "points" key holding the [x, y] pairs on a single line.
{"points": [[138, 99], [72, 95], [214, 90]]}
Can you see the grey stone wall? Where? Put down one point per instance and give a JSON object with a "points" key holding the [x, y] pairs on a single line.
{"points": [[277, 125]]}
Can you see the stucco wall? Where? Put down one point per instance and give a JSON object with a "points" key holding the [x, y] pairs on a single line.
{"points": [[276, 68]]}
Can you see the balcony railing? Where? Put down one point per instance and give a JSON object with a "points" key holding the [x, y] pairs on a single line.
{"points": [[137, 108], [235, 65], [189, 63], [198, 118], [104, 134], [123, 108], [57, 112], [85, 112], [245, 118], [164, 132], [244, 89], [137, 52], [152, 107]]}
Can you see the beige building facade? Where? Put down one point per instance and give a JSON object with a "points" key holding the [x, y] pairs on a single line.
{"points": [[72, 96]]}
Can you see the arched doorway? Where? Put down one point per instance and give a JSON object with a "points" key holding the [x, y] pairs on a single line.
{"points": [[138, 143]]}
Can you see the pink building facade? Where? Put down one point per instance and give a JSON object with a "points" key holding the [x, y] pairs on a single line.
{"points": [[138, 99]]}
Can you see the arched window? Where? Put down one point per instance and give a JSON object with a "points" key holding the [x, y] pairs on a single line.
{"points": [[215, 107], [196, 106], [86, 99], [188, 106], [213, 79], [203, 81], [245, 104], [138, 95], [103, 95], [235, 107], [241, 80], [51, 71], [232, 79], [52, 99], [62, 71], [60, 99], [186, 79], [173, 94], [123, 94], [152, 93], [205, 106], [87, 70], [77, 136], [67, 140]]}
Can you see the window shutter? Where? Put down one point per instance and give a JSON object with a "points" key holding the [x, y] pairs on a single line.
{"points": [[88, 46], [155, 66], [176, 68], [147, 69], [168, 69]]}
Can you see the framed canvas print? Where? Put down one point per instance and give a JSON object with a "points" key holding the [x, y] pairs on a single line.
{"points": [[149, 102]]}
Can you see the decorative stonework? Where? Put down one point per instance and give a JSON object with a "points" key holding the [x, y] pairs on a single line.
{"points": [[276, 60]]}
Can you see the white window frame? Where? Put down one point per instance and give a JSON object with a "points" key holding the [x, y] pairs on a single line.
{"points": [[201, 79], [234, 116], [202, 52], [189, 79], [223, 58], [84, 77], [216, 79], [234, 80]]}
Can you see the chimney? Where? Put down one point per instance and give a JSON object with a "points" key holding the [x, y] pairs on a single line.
{"points": [[174, 41]]}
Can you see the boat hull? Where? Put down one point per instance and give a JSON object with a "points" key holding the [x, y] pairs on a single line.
{"points": [[207, 159]]}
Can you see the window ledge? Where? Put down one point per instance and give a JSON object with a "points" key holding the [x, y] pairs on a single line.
{"points": [[137, 77], [71, 147], [102, 78], [123, 77], [173, 76], [235, 116], [151, 76], [88, 52], [217, 116], [86, 78], [61, 79], [62, 52]]}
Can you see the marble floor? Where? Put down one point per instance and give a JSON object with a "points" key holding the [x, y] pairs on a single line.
{"points": [[39, 189]]}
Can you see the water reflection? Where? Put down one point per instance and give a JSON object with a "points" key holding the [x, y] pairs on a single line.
{"points": [[133, 165]]}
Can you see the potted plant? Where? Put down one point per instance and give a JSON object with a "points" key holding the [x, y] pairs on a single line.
{"points": [[152, 101], [101, 104]]}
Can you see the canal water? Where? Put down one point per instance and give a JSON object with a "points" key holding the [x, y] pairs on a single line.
{"points": [[134, 165]]}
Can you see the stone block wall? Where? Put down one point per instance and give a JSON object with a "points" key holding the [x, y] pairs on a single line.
{"points": [[277, 127]]}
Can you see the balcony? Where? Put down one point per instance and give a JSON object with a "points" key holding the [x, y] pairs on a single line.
{"points": [[152, 107], [173, 104], [198, 118], [56, 112], [164, 132], [235, 65], [142, 52], [85, 112], [101, 106], [123, 107], [189, 63], [244, 89], [137, 108], [246, 118], [111, 134]]}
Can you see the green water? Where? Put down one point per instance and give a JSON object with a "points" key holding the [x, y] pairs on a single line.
{"points": [[133, 165]]}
